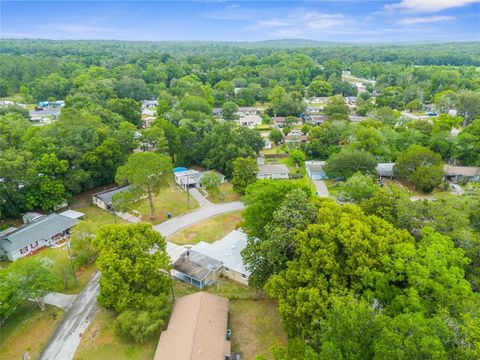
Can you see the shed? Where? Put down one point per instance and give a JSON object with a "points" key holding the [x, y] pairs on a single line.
{"points": [[385, 169]]}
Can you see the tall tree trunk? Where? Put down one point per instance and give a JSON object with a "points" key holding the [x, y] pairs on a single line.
{"points": [[150, 200]]}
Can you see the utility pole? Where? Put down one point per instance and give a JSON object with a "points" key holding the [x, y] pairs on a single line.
{"points": [[188, 191], [71, 261]]}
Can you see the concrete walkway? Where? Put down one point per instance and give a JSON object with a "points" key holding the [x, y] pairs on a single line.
{"points": [[128, 217], [62, 301], [64, 342], [321, 188], [171, 226], [202, 200]]}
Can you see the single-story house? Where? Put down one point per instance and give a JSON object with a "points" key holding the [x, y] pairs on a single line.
{"points": [[228, 251], [197, 329], [267, 144], [47, 230], [250, 120], [147, 122], [217, 112], [315, 169], [188, 178], [197, 269], [247, 110], [147, 104], [318, 100], [313, 109], [273, 171], [317, 119], [51, 104], [103, 199], [467, 173], [278, 121], [385, 170]]}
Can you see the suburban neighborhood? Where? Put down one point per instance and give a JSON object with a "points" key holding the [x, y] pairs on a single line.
{"points": [[239, 181]]}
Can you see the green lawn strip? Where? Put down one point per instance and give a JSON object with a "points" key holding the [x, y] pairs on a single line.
{"points": [[226, 194], [171, 199], [208, 230], [28, 330]]}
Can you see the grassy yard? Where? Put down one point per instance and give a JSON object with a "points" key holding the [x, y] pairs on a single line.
{"points": [[97, 217], [227, 288], [255, 327], [208, 230], [100, 342], [226, 194], [171, 199], [27, 331]]}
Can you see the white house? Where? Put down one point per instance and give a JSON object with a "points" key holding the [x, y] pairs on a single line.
{"points": [[104, 199], [188, 178], [46, 230], [250, 121], [228, 251], [272, 171], [267, 144]]}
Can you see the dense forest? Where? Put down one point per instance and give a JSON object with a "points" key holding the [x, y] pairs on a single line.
{"points": [[373, 275]]}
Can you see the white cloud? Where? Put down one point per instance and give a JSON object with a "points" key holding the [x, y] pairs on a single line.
{"points": [[233, 6], [428, 5], [424, 20], [308, 24]]}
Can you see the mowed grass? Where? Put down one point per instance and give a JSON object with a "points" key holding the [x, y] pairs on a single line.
{"points": [[28, 330], [97, 217], [100, 342], [256, 327], [208, 230], [171, 199], [226, 194]]}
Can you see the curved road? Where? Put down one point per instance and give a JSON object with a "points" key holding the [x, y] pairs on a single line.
{"points": [[171, 226], [64, 342]]}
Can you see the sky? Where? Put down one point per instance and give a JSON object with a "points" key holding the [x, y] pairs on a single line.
{"points": [[217, 20]]}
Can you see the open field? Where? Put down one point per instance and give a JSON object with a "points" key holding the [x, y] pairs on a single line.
{"points": [[208, 230], [171, 199], [27, 331], [226, 194]]}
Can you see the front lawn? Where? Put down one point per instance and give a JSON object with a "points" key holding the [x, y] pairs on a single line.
{"points": [[171, 199], [97, 217], [226, 194], [255, 327], [208, 230], [28, 330], [100, 342]]}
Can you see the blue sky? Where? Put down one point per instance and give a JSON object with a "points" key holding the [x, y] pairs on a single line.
{"points": [[341, 20]]}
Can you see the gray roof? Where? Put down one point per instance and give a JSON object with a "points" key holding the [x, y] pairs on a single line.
{"points": [[196, 265], [227, 250], [385, 169], [40, 229], [106, 196], [273, 169], [315, 166]]}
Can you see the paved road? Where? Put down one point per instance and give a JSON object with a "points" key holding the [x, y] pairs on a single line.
{"points": [[321, 188], [171, 226], [64, 341]]}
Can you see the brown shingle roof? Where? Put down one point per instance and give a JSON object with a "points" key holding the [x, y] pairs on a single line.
{"points": [[469, 171], [196, 330]]}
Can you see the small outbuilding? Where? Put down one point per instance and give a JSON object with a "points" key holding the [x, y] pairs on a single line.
{"points": [[385, 170], [315, 169]]}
